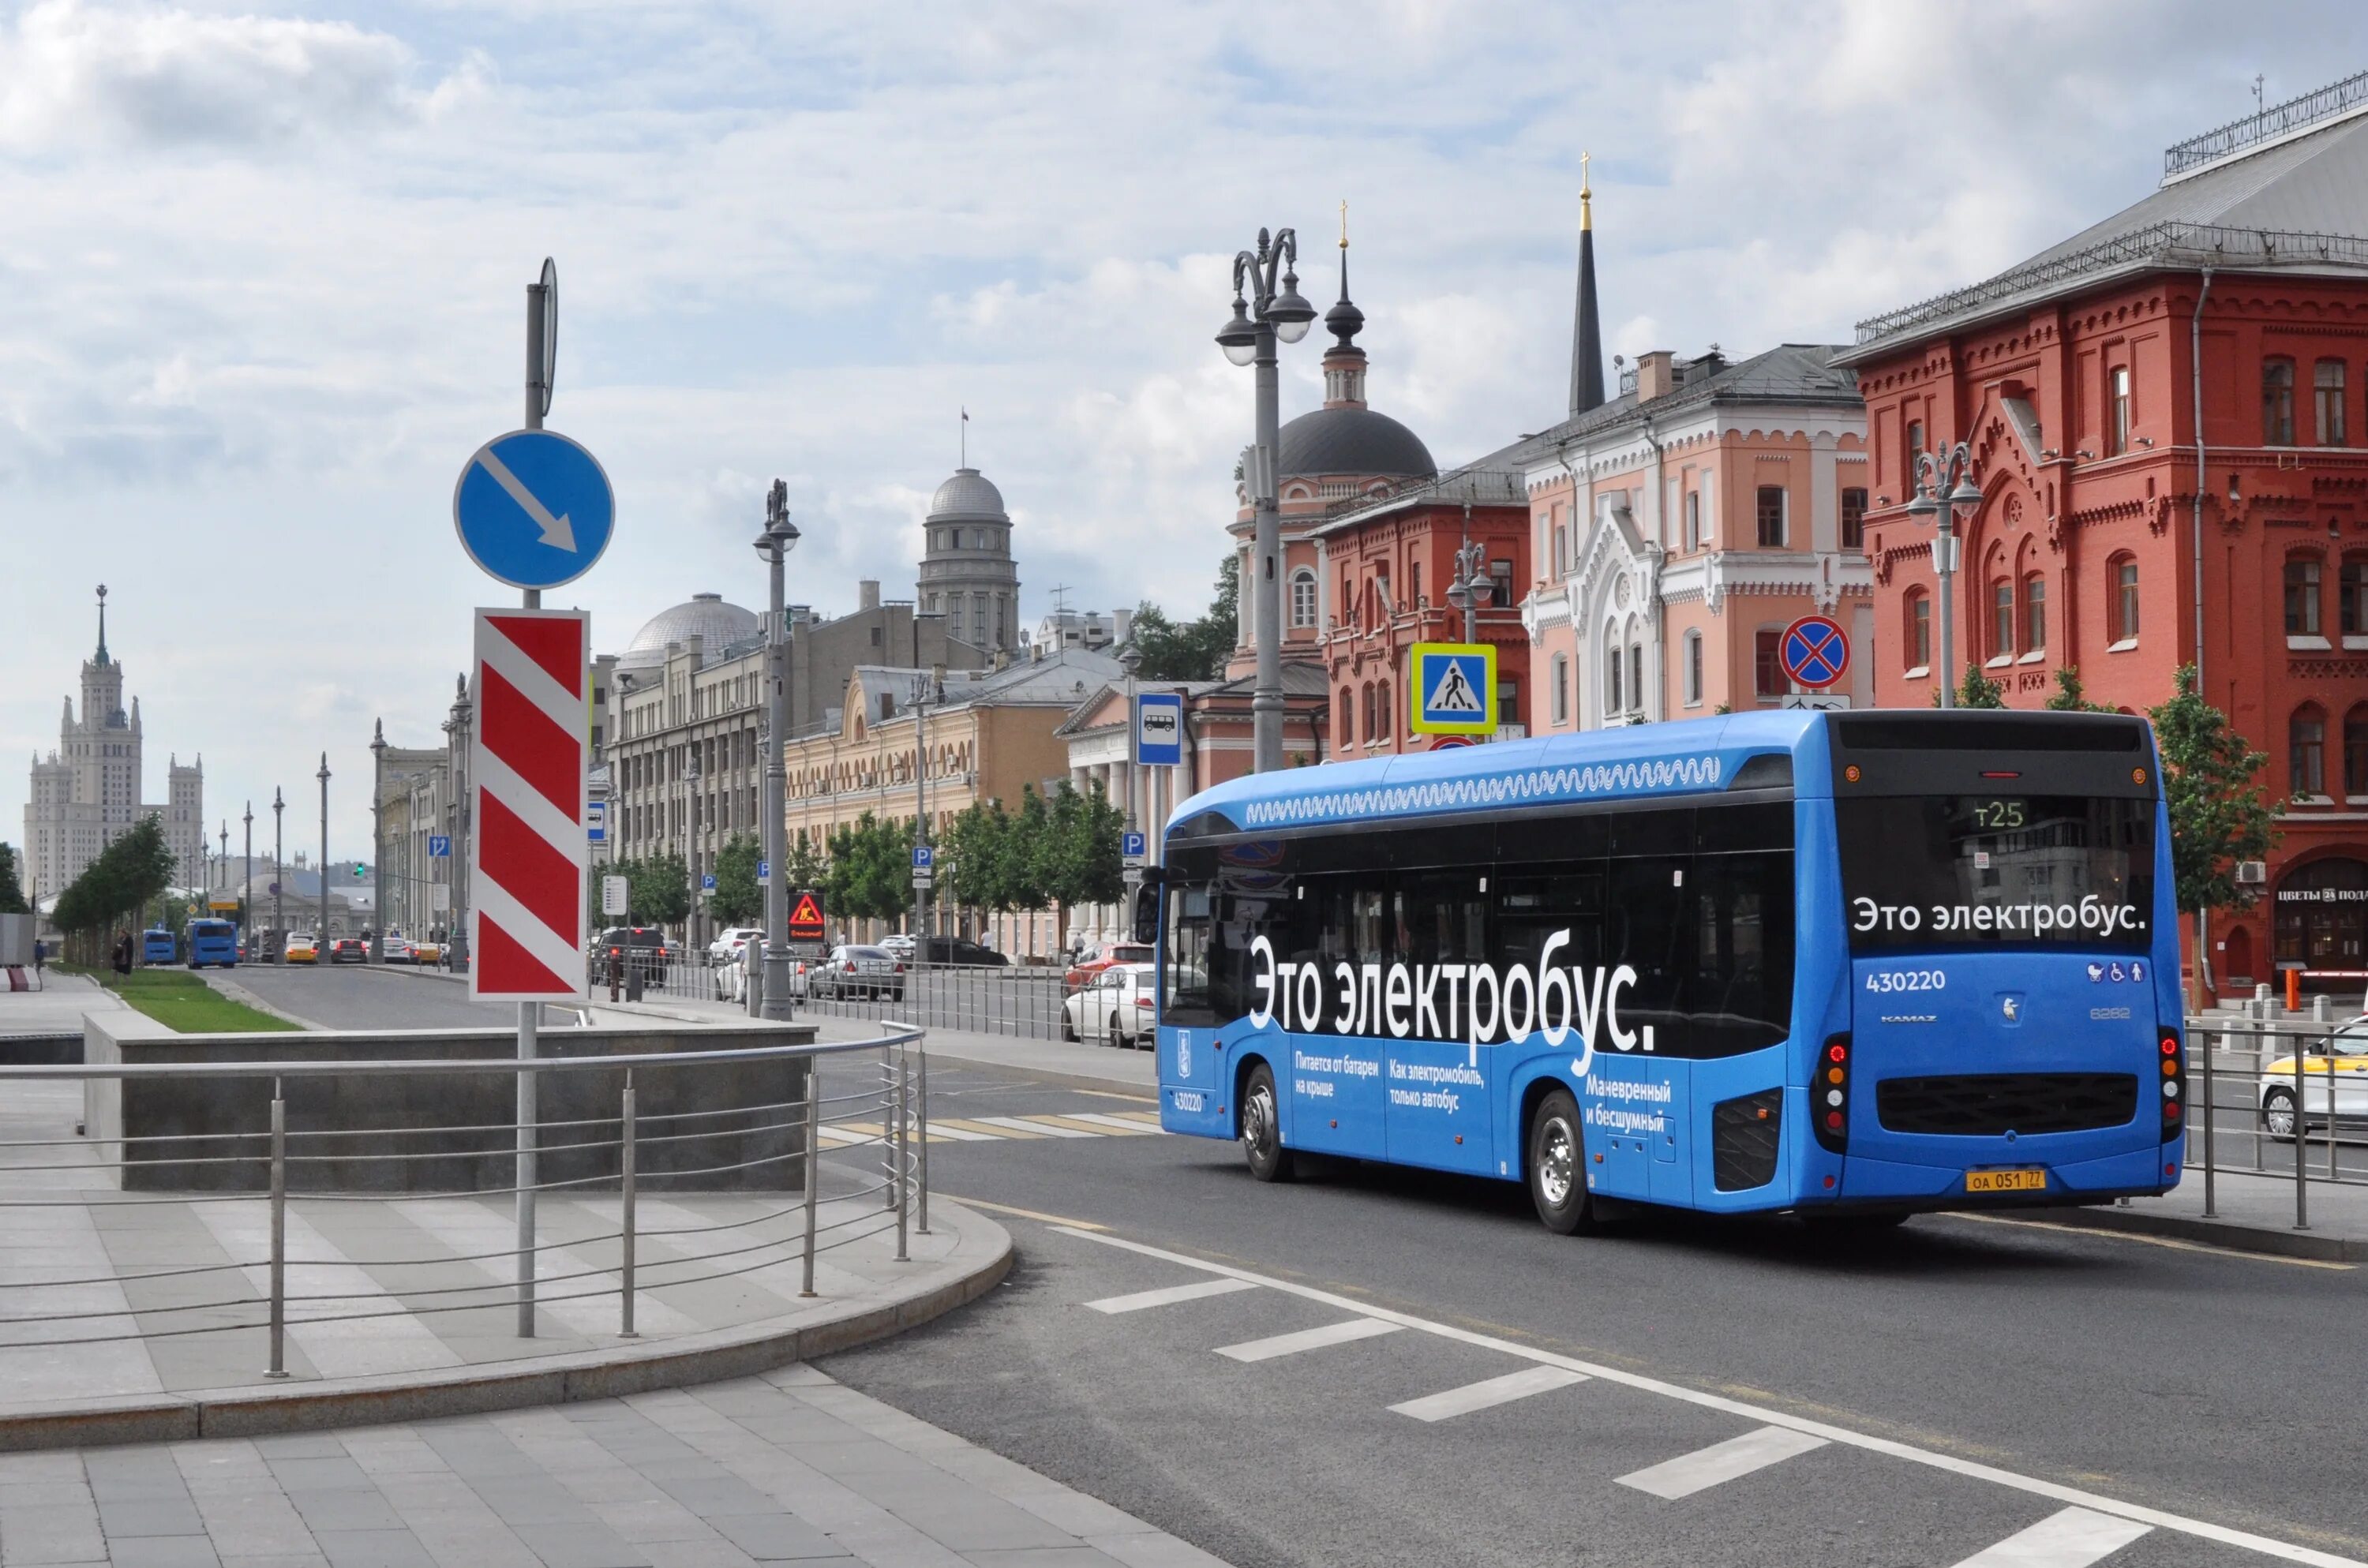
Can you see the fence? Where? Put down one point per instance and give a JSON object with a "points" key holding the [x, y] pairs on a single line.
{"points": [[2277, 1099], [1016, 999], [883, 1091]]}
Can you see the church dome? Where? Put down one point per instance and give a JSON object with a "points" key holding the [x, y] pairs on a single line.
{"points": [[1352, 441], [969, 494], [704, 616]]}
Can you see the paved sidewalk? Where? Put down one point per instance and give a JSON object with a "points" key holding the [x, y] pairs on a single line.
{"points": [[784, 1466], [58, 1007], [2251, 1213]]}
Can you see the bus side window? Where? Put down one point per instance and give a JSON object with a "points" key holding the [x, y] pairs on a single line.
{"points": [[1739, 988], [1648, 930], [1187, 966]]}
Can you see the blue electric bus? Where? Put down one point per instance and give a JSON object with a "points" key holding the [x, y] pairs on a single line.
{"points": [[1851, 965], [157, 945], [215, 942]]}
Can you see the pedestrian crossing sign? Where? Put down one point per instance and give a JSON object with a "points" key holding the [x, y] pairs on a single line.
{"points": [[1452, 688]]}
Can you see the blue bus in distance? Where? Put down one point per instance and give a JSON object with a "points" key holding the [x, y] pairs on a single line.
{"points": [[157, 945], [1851, 965], [214, 942]]}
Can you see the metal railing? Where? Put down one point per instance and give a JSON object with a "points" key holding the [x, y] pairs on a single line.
{"points": [[882, 1104], [1024, 1000], [2268, 1097]]}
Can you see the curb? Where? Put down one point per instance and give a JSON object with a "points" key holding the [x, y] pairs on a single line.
{"points": [[2220, 1234], [566, 1380]]}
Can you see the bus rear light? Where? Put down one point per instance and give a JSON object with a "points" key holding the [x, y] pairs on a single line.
{"points": [[1832, 1093], [2174, 1083], [1833, 1121]]}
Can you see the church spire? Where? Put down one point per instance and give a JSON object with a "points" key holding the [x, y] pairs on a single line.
{"points": [[102, 623], [1586, 336], [1344, 362]]}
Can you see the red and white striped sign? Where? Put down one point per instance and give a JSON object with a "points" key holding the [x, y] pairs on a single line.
{"points": [[527, 856]]}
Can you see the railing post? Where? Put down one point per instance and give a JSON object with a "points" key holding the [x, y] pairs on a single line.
{"points": [[813, 1161], [625, 1187], [903, 1152], [921, 1123], [278, 1368], [2211, 1115], [2322, 1011], [2302, 1139], [887, 1112]]}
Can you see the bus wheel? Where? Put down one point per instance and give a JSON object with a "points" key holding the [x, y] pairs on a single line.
{"points": [[1557, 1167], [2278, 1114], [1262, 1129]]}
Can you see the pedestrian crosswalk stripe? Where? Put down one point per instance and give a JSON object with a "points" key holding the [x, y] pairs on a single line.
{"points": [[1706, 1468], [1151, 1117], [970, 1124], [2071, 1539], [1092, 1126], [1169, 1296], [1123, 1123], [959, 1134], [1308, 1339], [1489, 1391], [1037, 1125]]}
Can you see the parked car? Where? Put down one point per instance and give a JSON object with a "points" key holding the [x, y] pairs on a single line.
{"points": [[726, 947], [644, 948], [397, 950], [2334, 1084], [300, 948], [429, 951], [899, 946], [958, 950], [1117, 1007], [732, 975], [1095, 959], [859, 971], [348, 950]]}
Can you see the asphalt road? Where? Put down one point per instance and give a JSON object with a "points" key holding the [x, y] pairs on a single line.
{"points": [[351, 997], [2220, 1389]]}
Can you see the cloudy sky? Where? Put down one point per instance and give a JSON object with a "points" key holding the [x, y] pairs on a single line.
{"points": [[262, 273]]}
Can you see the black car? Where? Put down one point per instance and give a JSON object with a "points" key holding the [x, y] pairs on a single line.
{"points": [[956, 950], [644, 948]]}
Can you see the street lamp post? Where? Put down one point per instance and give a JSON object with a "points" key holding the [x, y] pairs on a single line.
{"points": [[690, 778], [226, 852], [378, 843], [1471, 588], [279, 907], [781, 536], [1261, 319], [457, 871], [1945, 481], [247, 876], [324, 935]]}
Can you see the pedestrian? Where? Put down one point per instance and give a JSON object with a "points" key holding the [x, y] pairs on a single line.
{"points": [[40, 957], [123, 953]]}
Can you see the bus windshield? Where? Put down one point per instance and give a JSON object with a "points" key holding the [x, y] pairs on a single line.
{"points": [[1925, 872]]}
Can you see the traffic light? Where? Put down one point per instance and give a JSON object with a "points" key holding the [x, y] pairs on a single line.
{"points": [[360, 870]]}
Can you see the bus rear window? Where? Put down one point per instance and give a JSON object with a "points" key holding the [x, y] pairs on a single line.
{"points": [[1922, 872]]}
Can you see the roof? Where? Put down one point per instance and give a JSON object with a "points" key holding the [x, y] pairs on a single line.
{"points": [[704, 616], [1496, 479], [1060, 679], [1350, 440], [2291, 198], [969, 494], [1788, 373]]}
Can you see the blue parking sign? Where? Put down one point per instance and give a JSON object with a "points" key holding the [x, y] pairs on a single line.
{"points": [[1132, 847], [925, 857]]}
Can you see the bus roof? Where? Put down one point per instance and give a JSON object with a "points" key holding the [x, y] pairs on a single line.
{"points": [[1686, 756]]}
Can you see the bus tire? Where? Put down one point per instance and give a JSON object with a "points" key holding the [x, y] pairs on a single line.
{"points": [[2278, 1115], [1262, 1128], [1556, 1166]]}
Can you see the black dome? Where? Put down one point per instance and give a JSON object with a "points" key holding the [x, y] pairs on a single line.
{"points": [[1352, 441]]}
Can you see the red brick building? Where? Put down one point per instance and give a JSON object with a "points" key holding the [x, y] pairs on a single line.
{"points": [[2108, 540]]}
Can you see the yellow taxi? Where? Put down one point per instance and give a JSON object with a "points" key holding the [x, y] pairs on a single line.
{"points": [[426, 952], [2334, 1085], [300, 950]]}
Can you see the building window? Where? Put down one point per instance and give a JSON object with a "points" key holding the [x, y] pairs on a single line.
{"points": [[1769, 509], [1509, 702], [1500, 578], [1767, 681], [2352, 596], [2302, 597], [2355, 752], [2327, 384], [1611, 670], [1693, 519], [2117, 397], [1348, 718], [2125, 600], [1693, 667], [1414, 585], [1562, 689], [2306, 753], [2001, 618], [1561, 541], [1303, 597], [1636, 676], [1854, 518], [2277, 402], [1386, 721], [2034, 613], [1373, 727], [1914, 447]]}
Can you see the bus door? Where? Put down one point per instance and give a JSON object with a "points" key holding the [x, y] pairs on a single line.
{"points": [[1441, 1085], [1332, 1088]]}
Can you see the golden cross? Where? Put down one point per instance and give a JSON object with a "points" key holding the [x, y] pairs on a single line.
{"points": [[1344, 223]]}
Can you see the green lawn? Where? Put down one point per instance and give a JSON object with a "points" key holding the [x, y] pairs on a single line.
{"points": [[185, 1004]]}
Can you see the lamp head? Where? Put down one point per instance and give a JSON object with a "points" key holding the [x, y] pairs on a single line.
{"points": [[1966, 494], [1289, 313], [1239, 338], [1923, 507]]}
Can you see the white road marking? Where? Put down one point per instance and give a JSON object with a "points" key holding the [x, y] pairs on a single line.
{"points": [[2072, 1539], [554, 530], [1173, 1294], [2203, 1530], [1047, 1128], [1487, 1392], [1100, 1118], [963, 1134], [1706, 1468], [1309, 1339]]}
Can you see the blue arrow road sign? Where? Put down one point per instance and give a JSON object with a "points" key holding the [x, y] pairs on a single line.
{"points": [[925, 857], [439, 846], [533, 509]]}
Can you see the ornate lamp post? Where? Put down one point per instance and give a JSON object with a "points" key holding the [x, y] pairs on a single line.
{"points": [[378, 843], [246, 877], [278, 909], [324, 777], [1261, 318], [781, 536], [1945, 481]]}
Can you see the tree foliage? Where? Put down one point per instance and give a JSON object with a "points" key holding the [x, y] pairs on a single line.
{"points": [[1196, 650], [2219, 815], [2070, 695], [1077, 851], [12, 888], [870, 870], [657, 891], [1977, 690], [737, 899], [137, 867]]}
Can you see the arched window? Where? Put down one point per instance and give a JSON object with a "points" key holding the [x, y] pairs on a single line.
{"points": [[1385, 723], [1347, 734], [2351, 596], [1636, 676], [1694, 668], [2277, 402], [1562, 689], [1303, 597], [2001, 618], [1612, 669], [1373, 729], [2122, 611], [2034, 613], [1769, 681], [2306, 753], [1693, 519], [1916, 635], [2355, 752], [2327, 389], [2302, 595]]}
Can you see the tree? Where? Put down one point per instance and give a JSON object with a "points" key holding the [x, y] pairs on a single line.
{"points": [[870, 870], [1977, 690], [2071, 696], [737, 899], [1197, 650], [2218, 814], [658, 890], [12, 891], [1078, 855], [127, 875], [979, 843], [805, 865]]}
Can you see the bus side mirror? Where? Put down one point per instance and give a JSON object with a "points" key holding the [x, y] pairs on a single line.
{"points": [[1146, 914]]}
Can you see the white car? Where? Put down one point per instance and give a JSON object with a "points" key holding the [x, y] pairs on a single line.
{"points": [[898, 947], [398, 948], [727, 947], [2334, 1085], [1117, 1007], [732, 975]]}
